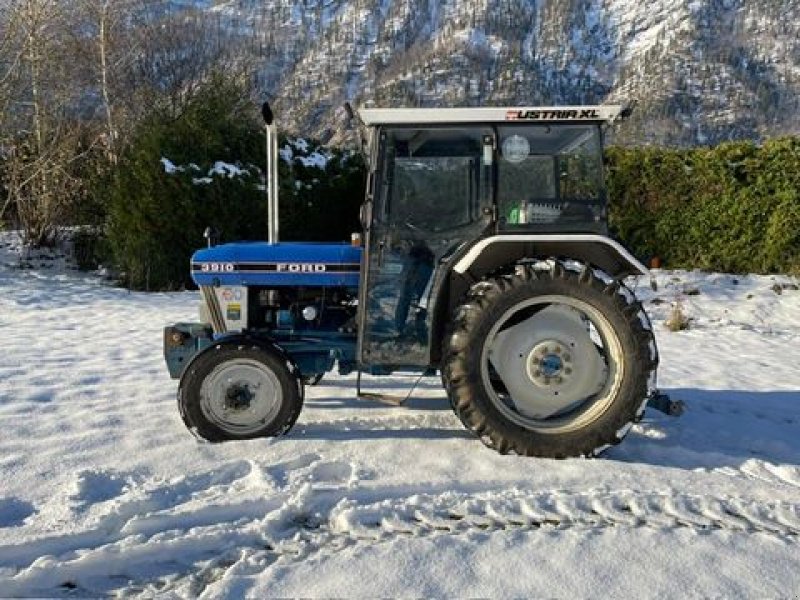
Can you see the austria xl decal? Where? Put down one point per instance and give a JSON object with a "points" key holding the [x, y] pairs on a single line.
{"points": [[553, 115]]}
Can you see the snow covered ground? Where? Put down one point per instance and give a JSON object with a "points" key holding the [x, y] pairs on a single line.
{"points": [[103, 491]]}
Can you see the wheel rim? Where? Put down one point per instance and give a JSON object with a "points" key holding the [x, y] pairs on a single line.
{"points": [[552, 364], [241, 396]]}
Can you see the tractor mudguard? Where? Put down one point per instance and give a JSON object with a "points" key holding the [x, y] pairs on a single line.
{"points": [[241, 340], [598, 250], [184, 343]]}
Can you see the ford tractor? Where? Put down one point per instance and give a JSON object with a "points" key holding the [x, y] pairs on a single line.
{"points": [[485, 257]]}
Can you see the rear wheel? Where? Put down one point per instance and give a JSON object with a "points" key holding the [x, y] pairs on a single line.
{"points": [[549, 363], [237, 392]]}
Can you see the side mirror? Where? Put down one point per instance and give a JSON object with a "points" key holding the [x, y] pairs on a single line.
{"points": [[348, 109], [627, 111]]}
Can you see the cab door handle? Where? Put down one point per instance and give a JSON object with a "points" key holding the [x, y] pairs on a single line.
{"points": [[381, 246]]}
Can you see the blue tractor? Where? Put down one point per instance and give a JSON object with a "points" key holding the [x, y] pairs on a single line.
{"points": [[485, 257]]}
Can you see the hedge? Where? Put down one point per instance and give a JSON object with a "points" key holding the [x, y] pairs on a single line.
{"points": [[180, 175], [732, 208]]}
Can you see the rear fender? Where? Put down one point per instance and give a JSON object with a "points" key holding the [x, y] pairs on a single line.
{"points": [[489, 254], [494, 253]]}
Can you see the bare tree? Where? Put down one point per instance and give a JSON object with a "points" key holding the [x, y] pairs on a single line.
{"points": [[45, 147], [99, 21], [10, 60], [104, 40]]}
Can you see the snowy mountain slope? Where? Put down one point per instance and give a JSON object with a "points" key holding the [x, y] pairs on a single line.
{"points": [[103, 491], [700, 70]]}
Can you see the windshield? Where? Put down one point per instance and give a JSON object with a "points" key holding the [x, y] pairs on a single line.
{"points": [[551, 177]]}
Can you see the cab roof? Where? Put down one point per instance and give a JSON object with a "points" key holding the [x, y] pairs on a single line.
{"points": [[525, 114]]}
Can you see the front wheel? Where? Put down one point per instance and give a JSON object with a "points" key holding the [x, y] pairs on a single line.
{"points": [[550, 363], [238, 392]]}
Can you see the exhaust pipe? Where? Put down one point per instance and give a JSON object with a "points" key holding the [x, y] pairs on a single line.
{"points": [[271, 174]]}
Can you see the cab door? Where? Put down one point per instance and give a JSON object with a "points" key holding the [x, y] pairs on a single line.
{"points": [[431, 193]]}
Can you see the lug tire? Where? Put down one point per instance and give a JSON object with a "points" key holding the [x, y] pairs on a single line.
{"points": [[269, 365], [487, 303]]}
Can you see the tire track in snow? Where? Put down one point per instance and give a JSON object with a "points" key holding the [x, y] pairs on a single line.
{"points": [[352, 526], [455, 513], [140, 554]]}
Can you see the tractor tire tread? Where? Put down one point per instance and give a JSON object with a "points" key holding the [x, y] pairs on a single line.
{"points": [[284, 369], [464, 386]]}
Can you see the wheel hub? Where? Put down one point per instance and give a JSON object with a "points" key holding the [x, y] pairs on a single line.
{"points": [[549, 363], [238, 397]]}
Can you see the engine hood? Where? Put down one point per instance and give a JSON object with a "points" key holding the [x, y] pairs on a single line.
{"points": [[277, 265]]}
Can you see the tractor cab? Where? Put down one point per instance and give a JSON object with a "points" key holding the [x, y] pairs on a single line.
{"points": [[440, 181]]}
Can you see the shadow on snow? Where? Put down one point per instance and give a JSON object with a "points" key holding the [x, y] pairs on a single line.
{"points": [[720, 428]]}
